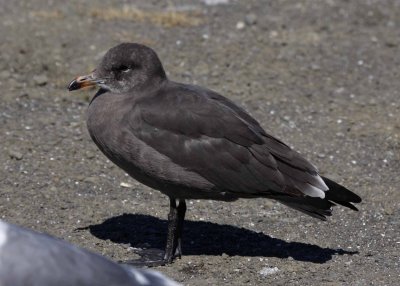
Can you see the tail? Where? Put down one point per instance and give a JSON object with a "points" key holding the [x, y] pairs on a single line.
{"points": [[340, 195], [321, 208]]}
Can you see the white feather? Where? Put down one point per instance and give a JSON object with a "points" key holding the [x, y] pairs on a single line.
{"points": [[310, 190], [322, 184]]}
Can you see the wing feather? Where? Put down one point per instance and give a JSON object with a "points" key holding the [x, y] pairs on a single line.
{"points": [[208, 134]]}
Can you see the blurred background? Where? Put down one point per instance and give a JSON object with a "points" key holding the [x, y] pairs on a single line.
{"points": [[323, 76]]}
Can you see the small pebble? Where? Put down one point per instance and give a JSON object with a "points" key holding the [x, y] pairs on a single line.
{"points": [[92, 180], [215, 2], [240, 25], [125, 185], [14, 154], [273, 34], [89, 155], [268, 271], [250, 19], [40, 80], [224, 255]]}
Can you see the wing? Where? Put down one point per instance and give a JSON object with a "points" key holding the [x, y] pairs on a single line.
{"points": [[208, 134]]}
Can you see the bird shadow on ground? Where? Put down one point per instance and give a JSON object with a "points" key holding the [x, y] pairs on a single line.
{"points": [[206, 238]]}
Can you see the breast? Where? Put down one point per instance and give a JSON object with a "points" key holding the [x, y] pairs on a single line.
{"points": [[113, 137]]}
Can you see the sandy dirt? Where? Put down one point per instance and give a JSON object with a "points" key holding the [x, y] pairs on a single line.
{"points": [[322, 76]]}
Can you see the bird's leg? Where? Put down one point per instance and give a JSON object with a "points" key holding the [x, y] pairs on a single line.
{"points": [[172, 237], [153, 257], [176, 217], [181, 219]]}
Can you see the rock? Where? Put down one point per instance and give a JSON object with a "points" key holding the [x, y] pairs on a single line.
{"points": [[273, 34], [125, 185], [40, 80], [80, 178], [250, 19], [14, 154], [224, 255], [89, 155], [240, 25], [92, 180], [268, 271], [215, 2]]}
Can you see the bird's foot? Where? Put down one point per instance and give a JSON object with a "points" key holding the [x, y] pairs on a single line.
{"points": [[151, 257]]}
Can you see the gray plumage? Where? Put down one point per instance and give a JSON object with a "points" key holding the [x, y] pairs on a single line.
{"points": [[191, 143], [35, 259]]}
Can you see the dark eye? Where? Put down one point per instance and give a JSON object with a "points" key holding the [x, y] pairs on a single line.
{"points": [[124, 68]]}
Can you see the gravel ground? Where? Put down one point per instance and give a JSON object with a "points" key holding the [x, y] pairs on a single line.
{"points": [[321, 75]]}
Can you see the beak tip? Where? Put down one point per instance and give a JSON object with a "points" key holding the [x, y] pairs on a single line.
{"points": [[73, 85], [82, 81]]}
